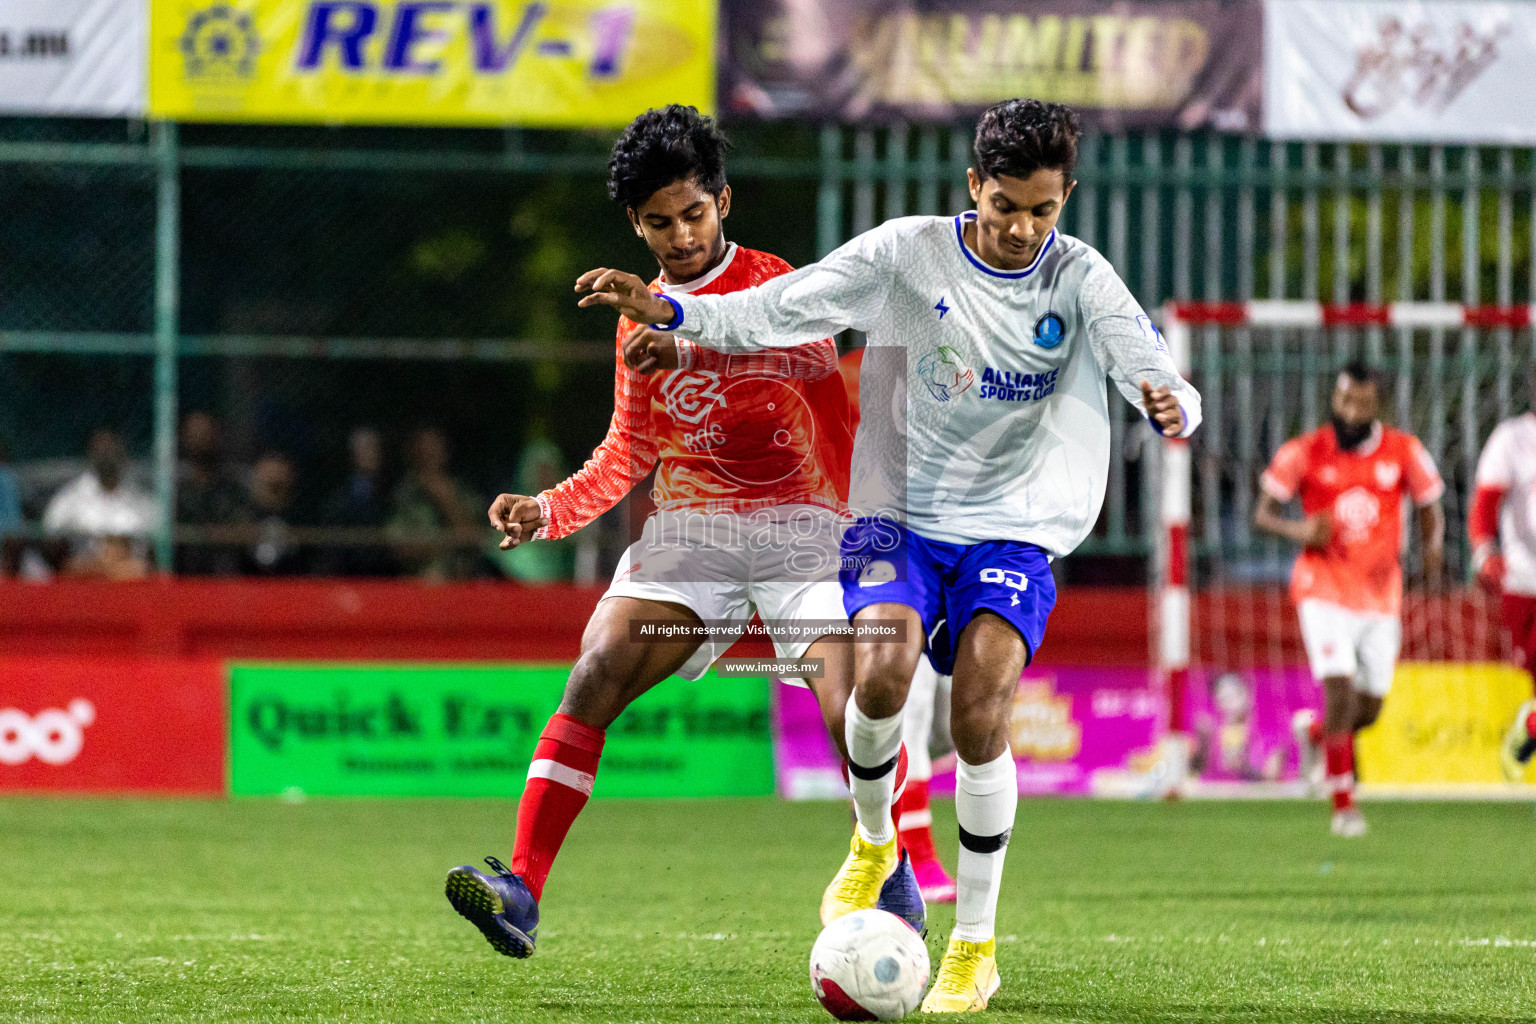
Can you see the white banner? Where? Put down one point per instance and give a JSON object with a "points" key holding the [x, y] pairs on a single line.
{"points": [[83, 57], [1441, 71]]}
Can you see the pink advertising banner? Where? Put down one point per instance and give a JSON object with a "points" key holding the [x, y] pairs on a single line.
{"points": [[1082, 731]]}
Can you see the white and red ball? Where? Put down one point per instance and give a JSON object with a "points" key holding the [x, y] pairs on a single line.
{"points": [[869, 965]]}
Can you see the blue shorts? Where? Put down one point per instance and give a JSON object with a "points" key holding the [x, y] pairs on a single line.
{"points": [[947, 584]]}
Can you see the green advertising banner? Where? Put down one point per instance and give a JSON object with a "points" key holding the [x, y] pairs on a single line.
{"points": [[469, 730]]}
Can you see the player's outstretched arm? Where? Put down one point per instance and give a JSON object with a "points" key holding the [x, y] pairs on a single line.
{"points": [[1130, 349], [626, 456], [1494, 478], [1483, 532], [625, 293], [1136, 359], [1312, 532], [648, 350], [846, 289], [1432, 533]]}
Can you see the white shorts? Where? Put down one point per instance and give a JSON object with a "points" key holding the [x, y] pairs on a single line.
{"points": [[1362, 646], [779, 562]]}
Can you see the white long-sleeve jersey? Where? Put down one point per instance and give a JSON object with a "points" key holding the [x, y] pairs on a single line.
{"points": [[984, 414]]}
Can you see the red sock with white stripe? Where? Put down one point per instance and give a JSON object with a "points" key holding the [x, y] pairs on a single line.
{"points": [[559, 783], [914, 821], [1339, 750]]}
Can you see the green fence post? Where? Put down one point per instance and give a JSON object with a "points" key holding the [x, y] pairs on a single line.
{"points": [[829, 197], [167, 325]]}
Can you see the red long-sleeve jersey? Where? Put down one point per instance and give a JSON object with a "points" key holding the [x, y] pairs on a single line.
{"points": [[731, 433]]}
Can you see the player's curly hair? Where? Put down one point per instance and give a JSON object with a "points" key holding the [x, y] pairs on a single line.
{"points": [[1019, 137], [664, 145]]}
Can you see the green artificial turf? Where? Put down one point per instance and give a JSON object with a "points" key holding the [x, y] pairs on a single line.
{"points": [[705, 911]]}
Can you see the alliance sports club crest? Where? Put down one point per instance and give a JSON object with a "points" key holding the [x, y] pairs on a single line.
{"points": [[1050, 330], [943, 374], [219, 42]]}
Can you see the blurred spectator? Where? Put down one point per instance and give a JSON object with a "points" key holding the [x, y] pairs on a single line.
{"points": [[541, 467], [359, 503], [102, 518], [437, 521], [274, 551], [206, 495], [10, 514]]}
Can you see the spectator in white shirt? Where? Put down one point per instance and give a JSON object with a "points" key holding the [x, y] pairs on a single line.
{"points": [[103, 518]]}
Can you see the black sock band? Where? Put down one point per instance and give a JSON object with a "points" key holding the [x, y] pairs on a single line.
{"points": [[984, 844], [871, 774]]}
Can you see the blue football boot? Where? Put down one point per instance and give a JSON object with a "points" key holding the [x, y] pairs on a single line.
{"points": [[500, 905], [901, 896]]}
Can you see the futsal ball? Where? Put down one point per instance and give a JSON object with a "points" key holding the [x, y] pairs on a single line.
{"points": [[869, 965]]}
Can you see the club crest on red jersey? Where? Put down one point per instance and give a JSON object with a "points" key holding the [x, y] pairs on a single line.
{"points": [[1356, 510], [690, 395]]}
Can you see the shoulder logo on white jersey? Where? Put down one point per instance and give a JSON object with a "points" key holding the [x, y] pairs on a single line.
{"points": [[941, 307], [690, 395], [1387, 474], [52, 736], [1153, 335], [1050, 330]]}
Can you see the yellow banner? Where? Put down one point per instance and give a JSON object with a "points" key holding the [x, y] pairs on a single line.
{"points": [[1443, 723], [496, 62]]}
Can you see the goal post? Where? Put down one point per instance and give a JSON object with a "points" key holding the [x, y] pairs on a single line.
{"points": [[1265, 369]]}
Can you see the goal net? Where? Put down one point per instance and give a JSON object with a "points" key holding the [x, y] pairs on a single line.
{"points": [[1229, 643]]}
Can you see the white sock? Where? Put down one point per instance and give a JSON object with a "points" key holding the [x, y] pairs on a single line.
{"points": [[873, 745], [986, 797]]}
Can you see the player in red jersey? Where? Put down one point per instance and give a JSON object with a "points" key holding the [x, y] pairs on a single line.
{"points": [[751, 456], [1502, 528], [1351, 476]]}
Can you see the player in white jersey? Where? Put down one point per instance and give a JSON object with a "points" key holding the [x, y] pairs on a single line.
{"points": [[982, 453], [1502, 528]]}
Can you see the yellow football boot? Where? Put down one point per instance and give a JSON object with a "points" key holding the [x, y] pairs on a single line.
{"points": [[857, 884], [967, 978]]}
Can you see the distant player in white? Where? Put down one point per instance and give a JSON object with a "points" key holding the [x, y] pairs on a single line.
{"points": [[982, 453], [1502, 528]]}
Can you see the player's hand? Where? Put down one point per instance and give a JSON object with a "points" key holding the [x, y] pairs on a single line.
{"points": [[624, 292], [647, 350], [1490, 573], [517, 517], [1163, 409], [1317, 530]]}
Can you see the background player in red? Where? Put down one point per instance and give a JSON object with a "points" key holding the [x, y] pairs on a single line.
{"points": [[751, 456], [1502, 528], [1351, 476]]}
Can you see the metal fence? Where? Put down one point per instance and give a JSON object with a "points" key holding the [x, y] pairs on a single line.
{"points": [[349, 275]]}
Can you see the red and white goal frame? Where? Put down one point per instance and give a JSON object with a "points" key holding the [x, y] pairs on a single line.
{"points": [[1172, 640]]}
